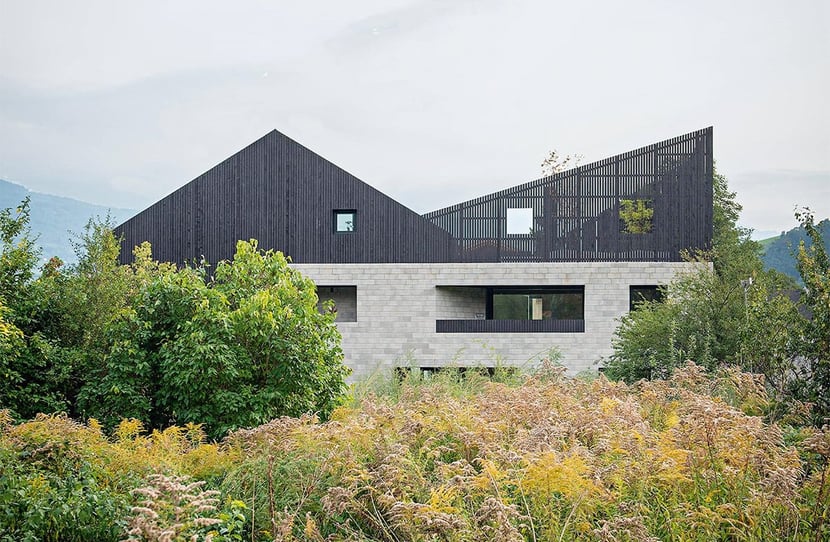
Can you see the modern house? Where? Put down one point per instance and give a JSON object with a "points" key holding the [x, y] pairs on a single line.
{"points": [[501, 279]]}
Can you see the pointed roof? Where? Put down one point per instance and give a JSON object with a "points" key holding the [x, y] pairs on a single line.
{"points": [[285, 196]]}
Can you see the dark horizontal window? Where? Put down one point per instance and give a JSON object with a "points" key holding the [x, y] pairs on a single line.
{"points": [[536, 303], [512, 309]]}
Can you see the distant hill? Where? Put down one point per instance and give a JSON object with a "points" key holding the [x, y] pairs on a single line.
{"points": [[55, 219], [765, 243], [779, 251]]}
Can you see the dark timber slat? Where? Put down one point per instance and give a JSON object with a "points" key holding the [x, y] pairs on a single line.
{"points": [[284, 195], [576, 212], [510, 326]]}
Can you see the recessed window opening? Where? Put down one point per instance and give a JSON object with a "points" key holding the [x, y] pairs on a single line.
{"points": [[640, 294], [537, 303], [340, 300], [520, 221], [636, 216], [345, 220]]}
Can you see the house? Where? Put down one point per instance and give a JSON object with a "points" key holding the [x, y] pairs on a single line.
{"points": [[500, 279]]}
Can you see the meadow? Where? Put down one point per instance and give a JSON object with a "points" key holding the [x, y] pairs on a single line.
{"points": [[454, 457]]}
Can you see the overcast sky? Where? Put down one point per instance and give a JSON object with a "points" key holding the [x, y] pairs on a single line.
{"points": [[432, 102]]}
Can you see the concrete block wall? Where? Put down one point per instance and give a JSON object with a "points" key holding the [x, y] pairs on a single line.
{"points": [[398, 304], [456, 303]]}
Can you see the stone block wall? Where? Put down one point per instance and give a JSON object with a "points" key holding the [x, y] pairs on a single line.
{"points": [[398, 304]]}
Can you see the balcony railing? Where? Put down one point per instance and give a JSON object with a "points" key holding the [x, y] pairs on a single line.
{"points": [[510, 326]]}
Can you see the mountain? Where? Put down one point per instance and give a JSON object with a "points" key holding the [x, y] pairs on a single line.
{"points": [[55, 219], [779, 251]]}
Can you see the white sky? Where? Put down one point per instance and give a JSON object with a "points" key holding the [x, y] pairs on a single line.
{"points": [[432, 102]]}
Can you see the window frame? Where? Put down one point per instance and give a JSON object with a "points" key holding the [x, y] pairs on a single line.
{"points": [[337, 213]]}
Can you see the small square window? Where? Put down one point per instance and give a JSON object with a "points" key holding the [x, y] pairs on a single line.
{"points": [[345, 221], [520, 221]]}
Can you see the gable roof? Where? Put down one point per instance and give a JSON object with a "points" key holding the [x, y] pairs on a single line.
{"points": [[284, 195]]}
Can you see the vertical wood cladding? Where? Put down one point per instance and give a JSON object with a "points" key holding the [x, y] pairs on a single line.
{"points": [[576, 213], [284, 195]]}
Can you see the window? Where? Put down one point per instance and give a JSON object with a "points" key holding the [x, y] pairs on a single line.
{"points": [[520, 221], [537, 303], [639, 294], [343, 301], [345, 221], [511, 309], [636, 215]]}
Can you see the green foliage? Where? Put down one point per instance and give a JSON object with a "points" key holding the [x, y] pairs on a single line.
{"points": [[160, 344], [33, 374], [706, 318], [248, 346], [814, 343], [50, 492], [177, 508], [61, 480], [541, 457], [18, 256], [37, 506], [739, 315], [769, 337], [732, 312], [637, 215], [83, 300]]}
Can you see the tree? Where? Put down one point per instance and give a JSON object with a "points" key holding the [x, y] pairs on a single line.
{"points": [[556, 163], [813, 370], [233, 350], [32, 380], [733, 312], [18, 256], [158, 343]]}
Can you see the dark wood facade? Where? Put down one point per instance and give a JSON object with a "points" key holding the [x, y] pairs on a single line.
{"points": [[286, 197], [576, 213]]}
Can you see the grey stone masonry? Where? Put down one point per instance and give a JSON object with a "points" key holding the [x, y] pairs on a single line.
{"points": [[398, 305]]}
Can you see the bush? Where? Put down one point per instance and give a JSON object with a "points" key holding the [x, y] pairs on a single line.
{"points": [[233, 351], [64, 481]]}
